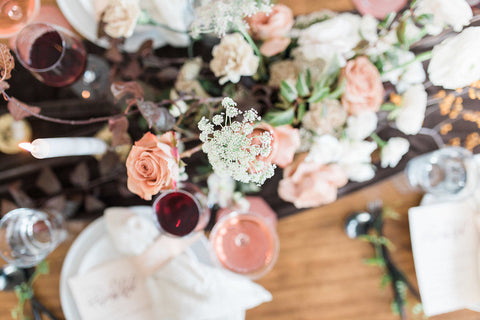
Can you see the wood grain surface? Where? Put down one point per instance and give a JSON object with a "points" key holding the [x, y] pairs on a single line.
{"points": [[320, 273]]}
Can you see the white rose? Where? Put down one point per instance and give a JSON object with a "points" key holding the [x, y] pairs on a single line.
{"points": [[220, 190], [456, 61], [410, 117], [233, 58], [356, 151], [361, 126], [455, 13], [325, 149], [403, 78], [359, 172], [120, 17], [393, 152], [330, 39]]}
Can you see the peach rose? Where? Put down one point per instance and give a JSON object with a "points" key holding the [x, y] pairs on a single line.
{"points": [[364, 89], [152, 165], [288, 141], [308, 184], [273, 29], [263, 161]]}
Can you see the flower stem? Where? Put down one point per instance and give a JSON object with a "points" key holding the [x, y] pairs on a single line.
{"points": [[190, 152], [261, 66], [421, 57], [381, 143]]}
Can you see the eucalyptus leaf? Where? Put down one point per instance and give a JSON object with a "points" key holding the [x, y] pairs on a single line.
{"points": [[388, 107], [302, 85], [318, 94], [338, 91], [288, 92], [302, 108], [278, 117]]}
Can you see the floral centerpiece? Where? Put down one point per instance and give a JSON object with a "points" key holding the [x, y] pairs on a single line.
{"points": [[306, 94]]}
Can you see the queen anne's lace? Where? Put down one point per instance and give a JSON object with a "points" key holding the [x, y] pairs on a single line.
{"points": [[222, 16], [231, 149]]}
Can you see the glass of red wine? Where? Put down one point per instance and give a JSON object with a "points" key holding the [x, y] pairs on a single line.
{"points": [[245, 243], [14, 14], [181, 211], [54, 55]]}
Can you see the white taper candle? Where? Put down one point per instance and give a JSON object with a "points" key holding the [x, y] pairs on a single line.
{"points": [[64, 147]]}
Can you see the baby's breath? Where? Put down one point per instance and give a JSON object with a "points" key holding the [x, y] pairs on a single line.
{"points": [[222, 16], [231, 148]]}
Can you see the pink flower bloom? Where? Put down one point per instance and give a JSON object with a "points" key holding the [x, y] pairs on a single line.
{"points": [[288, 142]]}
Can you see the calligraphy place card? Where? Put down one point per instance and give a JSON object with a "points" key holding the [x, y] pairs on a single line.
{"points": [[114, 290], [445, 250]]}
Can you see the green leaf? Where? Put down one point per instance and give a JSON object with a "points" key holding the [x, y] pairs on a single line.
{"points": [[387, 21], [338, 91], [395, 307], [288, 92], [309, 78], [374, 262], [302, 86], [318, 94], [386, 279], [401, 33], [302, 108], [424, 19], [388, 107], [278, 117]]}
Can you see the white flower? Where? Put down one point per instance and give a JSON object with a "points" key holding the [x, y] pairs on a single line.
{"points": [[325, 117], [393, 151], [361, 126], [410, 117], [325, 149], [330, 39], [359, 172], [356, 159], [120, 17], [368, 28], [220, 190], [221, 16], [456, 13], [234, 150], [456, 61], [403, 78], [233, 58]]}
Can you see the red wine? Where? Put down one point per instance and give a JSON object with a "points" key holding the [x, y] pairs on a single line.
{"points": [[177, 213], [66, 63]]}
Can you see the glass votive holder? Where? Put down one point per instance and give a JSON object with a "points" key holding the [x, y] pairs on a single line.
{"points": [[181, 211], [450, 172], [245, 243]]}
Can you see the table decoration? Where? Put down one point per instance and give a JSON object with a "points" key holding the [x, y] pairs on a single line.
{"points": [[62, 147]]}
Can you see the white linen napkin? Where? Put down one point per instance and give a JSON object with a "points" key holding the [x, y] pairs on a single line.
{"points": [[184, 288]]}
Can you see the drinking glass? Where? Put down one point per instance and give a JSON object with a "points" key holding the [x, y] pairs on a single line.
{"points": [[15, 14], [245, 243], [54, 55], [27, 236], [181, 211], [448, 172]]}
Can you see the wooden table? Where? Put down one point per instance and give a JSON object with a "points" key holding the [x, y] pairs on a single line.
{"points": [[320, 273]]}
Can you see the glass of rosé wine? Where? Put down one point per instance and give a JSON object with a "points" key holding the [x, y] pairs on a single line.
{"points": [[245, 243], [15, 14]]}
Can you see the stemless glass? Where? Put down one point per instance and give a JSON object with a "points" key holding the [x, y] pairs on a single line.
{"points": [[181, 211], [245, 243], [15, 14], [54, 55], [449, 172], [27, 236]]}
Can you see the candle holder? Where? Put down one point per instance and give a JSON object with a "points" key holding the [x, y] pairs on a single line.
{"points": [[245, 243]]}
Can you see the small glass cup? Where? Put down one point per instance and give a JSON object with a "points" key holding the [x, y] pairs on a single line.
{"points": [[54, 55], [245, 243], [181, 211], [15, 14], [450, 172], [27, 236]]}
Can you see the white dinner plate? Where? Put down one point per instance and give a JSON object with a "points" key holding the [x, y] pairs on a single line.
{"points": [[93, 247], [81, 15]]}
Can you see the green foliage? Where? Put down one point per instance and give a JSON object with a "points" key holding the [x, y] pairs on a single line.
{"points": [[288, 92], [302, 85], [388, 107], [280, 117]]}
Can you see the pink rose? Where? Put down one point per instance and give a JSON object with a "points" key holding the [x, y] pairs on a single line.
{"points": [[308, 184], [152, 165], [288, 142], [273, 29], [263, 161], [274, 46], [364, 89]]}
